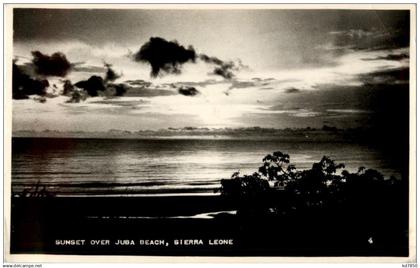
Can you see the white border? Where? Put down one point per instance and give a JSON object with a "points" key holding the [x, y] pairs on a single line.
{"points": [[44, 258]]}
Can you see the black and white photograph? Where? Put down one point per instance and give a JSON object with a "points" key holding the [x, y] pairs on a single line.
{"points": [[211, 130]]}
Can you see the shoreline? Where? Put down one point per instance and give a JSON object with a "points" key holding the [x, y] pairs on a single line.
{"points": [[37, 223]]}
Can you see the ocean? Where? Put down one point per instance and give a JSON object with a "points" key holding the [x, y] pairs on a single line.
{"points": [[128, 167]]}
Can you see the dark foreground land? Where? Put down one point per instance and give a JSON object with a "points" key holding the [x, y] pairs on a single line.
{"points": [[38, 224]]}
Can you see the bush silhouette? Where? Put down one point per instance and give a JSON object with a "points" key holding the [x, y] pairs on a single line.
{"points": [[279, 189]]}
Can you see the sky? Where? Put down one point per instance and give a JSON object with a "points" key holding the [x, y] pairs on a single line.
{"points": [[267, 68]]}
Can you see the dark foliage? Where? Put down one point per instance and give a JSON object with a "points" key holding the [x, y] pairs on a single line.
{"points": [[38, 190], [279, 189], [322, 207]]}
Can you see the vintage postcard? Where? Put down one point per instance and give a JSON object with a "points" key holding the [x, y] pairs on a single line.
{"points": [[210, 133]]}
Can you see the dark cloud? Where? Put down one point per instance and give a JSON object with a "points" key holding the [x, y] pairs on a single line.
{"points": [[23, 85], [142, 88], [54, 65], [119, 89], [138, 82], [167, 57], [96, 84], [387, 30], [76, 96], [292, 90], [88, 68], [394, 57], [128, 103], [213, 60], [266, 79], [387, 77], [188, 91], [372, 39], [68, 88], [295, 111], [194, 84], [164, 56], [239, 84], [263, 83], [242, 84], [92, 86], [110, 74], [224, 69], [148, 92]]}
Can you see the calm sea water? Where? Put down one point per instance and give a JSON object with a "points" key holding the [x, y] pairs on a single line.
{"points": [[169, 166]]}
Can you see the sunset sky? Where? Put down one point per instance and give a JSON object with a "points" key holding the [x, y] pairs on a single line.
{"points": [[295, 68]]}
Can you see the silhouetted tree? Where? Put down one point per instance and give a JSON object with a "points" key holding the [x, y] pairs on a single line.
{"points": [[279, 187]]}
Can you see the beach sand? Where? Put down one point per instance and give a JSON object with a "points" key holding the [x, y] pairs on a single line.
{"points": [[181, 222]]}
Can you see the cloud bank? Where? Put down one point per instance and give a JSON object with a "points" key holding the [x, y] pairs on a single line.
{"points": [[167, 57], [54, 65]]}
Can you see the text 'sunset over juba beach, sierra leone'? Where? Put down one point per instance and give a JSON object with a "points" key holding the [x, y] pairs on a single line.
{"points": [[210, 132]]}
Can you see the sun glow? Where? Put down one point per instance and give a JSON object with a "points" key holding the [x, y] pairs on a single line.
{"points": [[214, 106]]}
